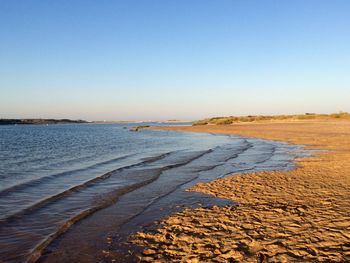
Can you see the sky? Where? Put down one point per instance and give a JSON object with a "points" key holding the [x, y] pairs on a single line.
{"points": [[183, 59]]}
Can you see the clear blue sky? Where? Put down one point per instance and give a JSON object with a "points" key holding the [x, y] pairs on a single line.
{"points": [[183, 59]]}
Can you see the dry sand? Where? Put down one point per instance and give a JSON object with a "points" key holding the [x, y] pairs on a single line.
{"points": [[295, 216]]}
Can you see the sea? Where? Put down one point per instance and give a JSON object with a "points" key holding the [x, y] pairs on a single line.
{"points": [[67, 188]]}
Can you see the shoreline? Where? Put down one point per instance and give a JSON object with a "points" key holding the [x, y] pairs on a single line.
{"points": [[284, 216], [164, 196]]}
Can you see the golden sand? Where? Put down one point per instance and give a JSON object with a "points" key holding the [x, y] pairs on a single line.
{"points": [[292, 216]]}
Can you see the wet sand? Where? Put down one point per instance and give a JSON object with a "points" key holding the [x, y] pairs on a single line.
{"points": [[301, 215]]}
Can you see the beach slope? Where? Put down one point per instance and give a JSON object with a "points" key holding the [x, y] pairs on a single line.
{"points": [[283, 216]]}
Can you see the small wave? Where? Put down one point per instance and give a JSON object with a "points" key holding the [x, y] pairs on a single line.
{"points": [[37, 251], [36, 182], [109, 199], [79, 187]]}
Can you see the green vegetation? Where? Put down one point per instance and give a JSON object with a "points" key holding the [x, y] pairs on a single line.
{"points": [[252, 118], [200, 122]]}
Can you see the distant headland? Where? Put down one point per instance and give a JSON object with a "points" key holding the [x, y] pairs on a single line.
{"points": [[39, 121]]}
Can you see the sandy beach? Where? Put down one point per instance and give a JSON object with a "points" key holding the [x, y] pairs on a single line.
{"points": [[301, 215], [174, 131]]}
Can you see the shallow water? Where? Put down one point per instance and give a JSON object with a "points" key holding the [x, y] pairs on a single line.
{"points": [[118, 181]]}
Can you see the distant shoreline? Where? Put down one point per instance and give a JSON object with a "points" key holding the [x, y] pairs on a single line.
{"points": [[69, 121], [39, 121]]}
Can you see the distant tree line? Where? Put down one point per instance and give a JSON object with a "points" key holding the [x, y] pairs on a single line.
{"points": [[38, 121]]}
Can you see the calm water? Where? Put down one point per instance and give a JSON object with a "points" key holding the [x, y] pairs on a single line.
{"points": [[52, 177]]}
